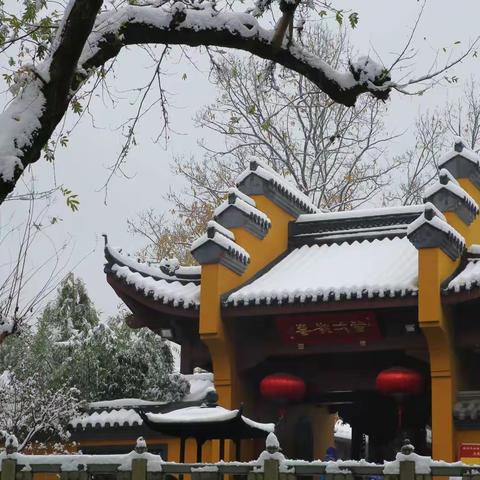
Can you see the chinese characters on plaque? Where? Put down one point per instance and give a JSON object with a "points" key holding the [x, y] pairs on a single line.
{"points": [[333, 328]]}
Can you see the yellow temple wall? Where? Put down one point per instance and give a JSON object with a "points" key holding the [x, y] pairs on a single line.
{"points": [[436, 322], [217, 280]]}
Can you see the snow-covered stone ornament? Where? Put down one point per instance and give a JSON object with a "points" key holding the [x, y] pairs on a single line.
{"points": [[11, 444], [272, 452], [141, 445], [458, 144], [407, 447], [271, 443]]}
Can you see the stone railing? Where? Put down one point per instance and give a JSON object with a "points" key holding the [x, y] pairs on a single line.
{"points": [[141, 465]]}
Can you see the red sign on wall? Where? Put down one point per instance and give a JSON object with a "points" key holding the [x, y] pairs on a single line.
{"points": [[343, 328], [469, 450]]}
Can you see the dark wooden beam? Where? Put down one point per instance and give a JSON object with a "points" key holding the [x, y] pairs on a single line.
{"points": [[331, 306], [461, 297]]}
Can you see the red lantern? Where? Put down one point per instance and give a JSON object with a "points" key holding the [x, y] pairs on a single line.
{"points": [[399, 382], [282, 388]]}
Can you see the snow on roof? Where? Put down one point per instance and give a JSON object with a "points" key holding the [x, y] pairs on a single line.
{"points": [[241, 195], [205, 414], [279, 182], [216, 233], [387, 267], [174, 292], [193, 414], [120, 410], [359, 213], [200, 384], [124, 259], [122, 417], [468, 278], [449, 183], [246, 207], [221, 229], [437, 221], [73, 463], [123, 402]]}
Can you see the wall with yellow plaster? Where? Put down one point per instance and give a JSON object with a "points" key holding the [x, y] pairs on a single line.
{"points": [[217, 280], [436, 323]]}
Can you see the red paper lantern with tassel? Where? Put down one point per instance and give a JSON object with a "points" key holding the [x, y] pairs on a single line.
{"points": [[399, 383]]}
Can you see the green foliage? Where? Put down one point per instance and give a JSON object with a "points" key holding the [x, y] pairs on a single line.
{"points": [[71, 198], [72, 313], [102, 360]]}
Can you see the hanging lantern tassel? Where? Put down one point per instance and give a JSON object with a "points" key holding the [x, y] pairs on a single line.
{"points": [[399, 382], [282, 388]]}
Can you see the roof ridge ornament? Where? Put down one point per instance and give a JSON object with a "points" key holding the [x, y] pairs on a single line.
{"points": [[261, 179], [449, 196], [217, 245], [459, 144], [240, 211], [431, 230], [462, 162]]}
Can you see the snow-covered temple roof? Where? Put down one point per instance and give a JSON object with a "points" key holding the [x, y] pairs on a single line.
{"points": [[331, 256], [168, 283], [315, 273], [122, 412]]}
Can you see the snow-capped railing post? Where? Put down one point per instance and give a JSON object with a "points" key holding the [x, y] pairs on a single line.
{"points": [[407, 467], [139, 465], [9, 465]]}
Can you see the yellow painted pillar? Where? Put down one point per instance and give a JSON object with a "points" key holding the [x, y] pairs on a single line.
{"points": [[434, 267]]}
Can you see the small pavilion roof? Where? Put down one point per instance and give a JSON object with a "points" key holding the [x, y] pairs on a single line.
{"points": [[205, 423]]}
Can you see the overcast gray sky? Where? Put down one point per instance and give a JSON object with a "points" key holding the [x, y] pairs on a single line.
{"points": [[82, 167]]}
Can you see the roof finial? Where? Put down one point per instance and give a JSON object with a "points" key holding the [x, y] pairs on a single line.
{"points": [[443, 177], [429, 213], [459, 144], [105, 238], [141, 445]]}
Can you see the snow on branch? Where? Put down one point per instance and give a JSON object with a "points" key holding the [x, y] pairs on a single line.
{"points": [[86, 40]]}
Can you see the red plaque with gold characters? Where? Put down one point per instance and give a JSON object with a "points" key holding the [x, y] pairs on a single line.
{"points": [[343, 328], [470, 453]]}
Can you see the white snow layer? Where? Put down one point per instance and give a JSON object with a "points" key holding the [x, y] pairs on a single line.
{"points": [[147, 269], [453, 186], [245, 207], [469, 277], [205, 414], [223, 241], [200, 384], [71, 463], [466, 153], [342, 430], [439, 223], [267, 173], [123, 402], [17, 124], [381, 267], [169, 292], [359, 213], [207, 18]]}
